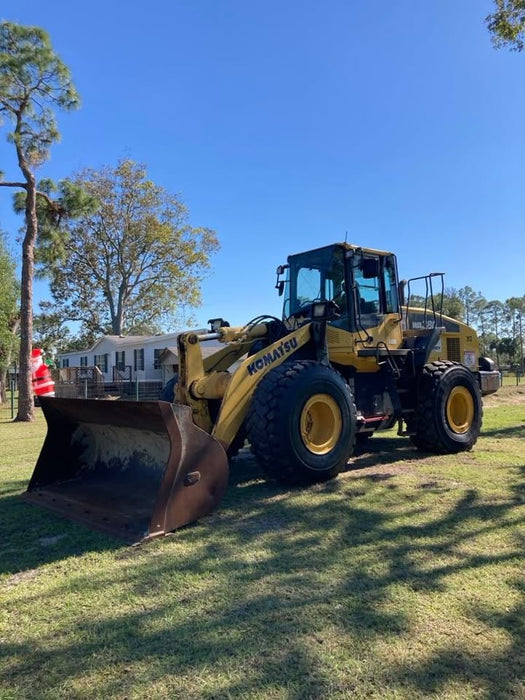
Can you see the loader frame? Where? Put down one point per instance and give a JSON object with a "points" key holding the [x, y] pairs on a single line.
{"points": [[348, 358]]}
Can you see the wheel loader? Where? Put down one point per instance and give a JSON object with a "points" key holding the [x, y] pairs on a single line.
{"points": [[349, 357]]}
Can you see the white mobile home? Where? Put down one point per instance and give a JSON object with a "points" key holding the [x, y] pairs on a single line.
{"points": [[142, 358], [125, 358]]}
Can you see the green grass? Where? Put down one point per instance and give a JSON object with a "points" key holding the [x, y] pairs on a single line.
{"points": [[403, 578], [510, 379]]}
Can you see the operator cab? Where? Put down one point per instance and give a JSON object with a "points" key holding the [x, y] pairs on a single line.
{"points": [[360, 284]]}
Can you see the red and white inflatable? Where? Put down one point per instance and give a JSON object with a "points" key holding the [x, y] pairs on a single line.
{"points": [[43, 384]]}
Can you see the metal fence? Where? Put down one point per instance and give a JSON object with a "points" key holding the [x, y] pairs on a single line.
{"points": [[511, 377], [135, 391], [9, 408], [130, 390], [88, 383], [83, 388]]}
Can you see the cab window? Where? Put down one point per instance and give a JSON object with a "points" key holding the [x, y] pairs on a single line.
{"points": [[390, 281], [309, 285], [367, 287], [318, 275]]}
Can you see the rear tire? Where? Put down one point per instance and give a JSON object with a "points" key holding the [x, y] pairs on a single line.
{"points": [[302, 423], [448, 418]]}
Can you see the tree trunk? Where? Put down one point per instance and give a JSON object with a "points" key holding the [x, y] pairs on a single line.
{"points": [[26, 411], [3, 388], [118, 317]]}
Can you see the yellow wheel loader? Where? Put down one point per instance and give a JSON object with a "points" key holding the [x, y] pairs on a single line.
{"points": [[349, 357]]}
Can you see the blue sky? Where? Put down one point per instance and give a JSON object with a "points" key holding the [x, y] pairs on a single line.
{"points": [[290, 125]]}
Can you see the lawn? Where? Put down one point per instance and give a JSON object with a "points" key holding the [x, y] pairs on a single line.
{"points": [[403, 578]]}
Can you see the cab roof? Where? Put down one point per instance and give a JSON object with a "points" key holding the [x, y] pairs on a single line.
{"points": [[346, 246]]}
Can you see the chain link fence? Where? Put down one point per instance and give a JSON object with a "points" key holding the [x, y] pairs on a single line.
{"points": [[88, 383], [75, 384], [86, 386], [8, 409], [511, 377]]}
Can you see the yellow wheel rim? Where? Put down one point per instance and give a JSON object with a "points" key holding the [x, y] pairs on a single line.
{"points": [[321, 424], [460, 409]]}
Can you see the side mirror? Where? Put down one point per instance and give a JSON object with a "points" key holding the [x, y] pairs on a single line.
{"points": [[279, 285]]}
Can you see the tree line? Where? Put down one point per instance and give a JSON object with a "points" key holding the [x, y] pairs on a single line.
{"points": [[106, 256]]}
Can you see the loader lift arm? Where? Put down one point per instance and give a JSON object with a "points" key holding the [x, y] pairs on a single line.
{"points": [[198, 388]]}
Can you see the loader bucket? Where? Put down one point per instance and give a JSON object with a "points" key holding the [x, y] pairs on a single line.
{"points": [[134, 470]]}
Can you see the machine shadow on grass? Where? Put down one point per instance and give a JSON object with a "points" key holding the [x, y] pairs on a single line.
{"points": [[283, 576], [31, 537], [284, 609], [364, 593], [510, 432], [375, 452]]}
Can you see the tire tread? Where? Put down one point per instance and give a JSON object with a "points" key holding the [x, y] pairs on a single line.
{"points": [[428, 432], [263, 421]]}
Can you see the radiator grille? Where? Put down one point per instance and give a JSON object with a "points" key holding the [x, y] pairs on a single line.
{"points": [[453, 351], [334, 336]]}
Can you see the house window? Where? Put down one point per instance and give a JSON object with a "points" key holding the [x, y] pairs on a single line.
{"points": [[84, 361], [120, 360], [138, 359], [65, 362], [156, 357], [101, 361]]}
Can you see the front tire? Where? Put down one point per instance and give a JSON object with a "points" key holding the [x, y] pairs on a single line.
{"points": [[449, 413], [302, 423]]}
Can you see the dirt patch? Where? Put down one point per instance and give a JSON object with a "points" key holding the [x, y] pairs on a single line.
{"points": [[22, 577], [379, 472], [506, 395]]}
